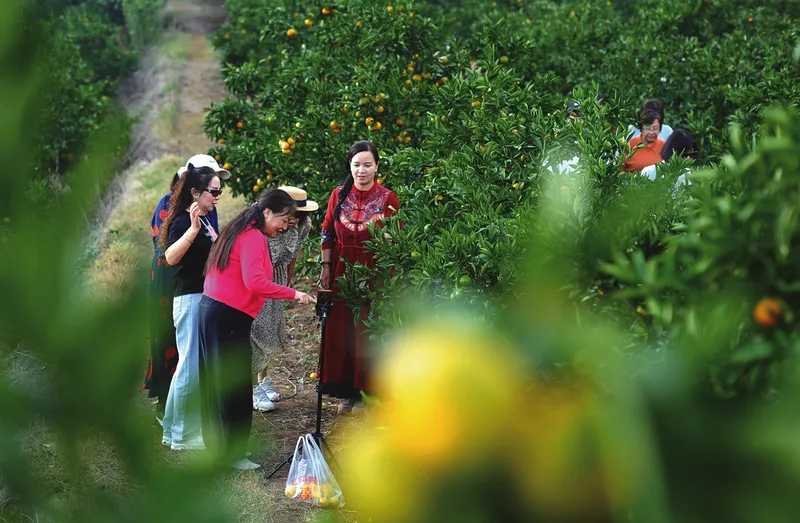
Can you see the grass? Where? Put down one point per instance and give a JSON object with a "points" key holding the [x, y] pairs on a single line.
{"points": [[177, 47]]}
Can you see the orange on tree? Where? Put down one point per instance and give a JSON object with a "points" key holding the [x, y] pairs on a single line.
{"points": [[309, 22], [767, 312], [291, 33]]}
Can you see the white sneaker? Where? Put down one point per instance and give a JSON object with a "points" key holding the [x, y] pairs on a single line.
{"points": [[266, 386], [245, 464], [193, 444], [261, 402]]}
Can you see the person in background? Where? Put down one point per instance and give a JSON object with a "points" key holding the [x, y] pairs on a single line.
{"points": [[269, 334], [186, 237], [352, 207], [163, 350], [680, 143], [238, 282], [654, 104], [650, 153]]}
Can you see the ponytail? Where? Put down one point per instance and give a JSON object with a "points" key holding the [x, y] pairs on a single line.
{"points": [[279, 202]]}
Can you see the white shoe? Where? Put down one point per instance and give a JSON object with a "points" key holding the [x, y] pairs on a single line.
{"points": [[266, 386], [245, 464], [261, 402], [193, 444]]}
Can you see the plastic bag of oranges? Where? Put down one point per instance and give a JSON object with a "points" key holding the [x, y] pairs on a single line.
{"points": [[310, 478]]}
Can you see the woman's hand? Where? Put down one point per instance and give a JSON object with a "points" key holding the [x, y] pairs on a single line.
{"points": [[325, 277], [194, 215], [302, 298]]}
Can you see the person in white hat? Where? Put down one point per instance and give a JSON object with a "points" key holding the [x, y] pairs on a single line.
{"points": [[204, 160], [269, 334]]}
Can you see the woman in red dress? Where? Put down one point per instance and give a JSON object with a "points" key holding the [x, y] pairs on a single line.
{"points": [[351, 208]]}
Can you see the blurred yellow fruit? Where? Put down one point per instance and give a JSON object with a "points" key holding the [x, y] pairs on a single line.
{"points": [[476, 103], [395, 497], [290, 491], [291, 33], [227, 166], [313, 375], [308, 22], [389, 8], [427, 412], [256, 188], [326, 11], [290, 140]]}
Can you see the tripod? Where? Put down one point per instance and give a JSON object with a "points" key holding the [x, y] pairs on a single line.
{"points": [[324, 305]]}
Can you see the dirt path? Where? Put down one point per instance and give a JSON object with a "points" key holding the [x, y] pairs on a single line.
{"points": [[169, 95]]}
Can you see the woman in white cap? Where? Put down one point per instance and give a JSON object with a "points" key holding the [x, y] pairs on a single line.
{"points": [[269, 334], [186, 237]]}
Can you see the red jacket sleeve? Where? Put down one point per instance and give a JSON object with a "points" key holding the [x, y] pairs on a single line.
{"points": [[392, 205], [328, 230], [257, 267]]}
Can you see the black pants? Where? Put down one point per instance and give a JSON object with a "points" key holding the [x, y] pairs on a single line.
{"points": [[226, 392]]}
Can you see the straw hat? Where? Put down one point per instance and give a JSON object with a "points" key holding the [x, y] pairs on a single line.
{"points": [[300, 198]]}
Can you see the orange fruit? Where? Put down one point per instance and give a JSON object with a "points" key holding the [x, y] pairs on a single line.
{"points": [[227, 166], [290, 140], [399, 121], [358, 23], [476, 103], [290, 491], [291, 33], [313, 375], [239, 125], [308, 22], [326, 11], [256, 188], [767, 312]]}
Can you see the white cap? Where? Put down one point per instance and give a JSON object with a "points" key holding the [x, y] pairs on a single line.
{"points": [[204, 160]]}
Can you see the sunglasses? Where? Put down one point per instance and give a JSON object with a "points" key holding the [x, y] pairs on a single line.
{"points": [[215, 192]]}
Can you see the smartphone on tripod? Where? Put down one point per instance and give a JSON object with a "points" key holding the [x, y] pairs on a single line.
{"points": [[324, 301]]}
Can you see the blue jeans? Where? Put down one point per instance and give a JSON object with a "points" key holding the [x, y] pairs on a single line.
{"points": [[182, 414]]}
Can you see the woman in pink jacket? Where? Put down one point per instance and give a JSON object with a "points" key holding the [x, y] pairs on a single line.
{"points": [[238, 282]]}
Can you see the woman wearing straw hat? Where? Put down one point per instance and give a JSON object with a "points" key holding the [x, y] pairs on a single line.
{"points": [[269, 334]]}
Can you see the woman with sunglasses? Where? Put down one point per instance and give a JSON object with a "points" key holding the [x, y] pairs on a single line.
{"points": [[186, 238]]}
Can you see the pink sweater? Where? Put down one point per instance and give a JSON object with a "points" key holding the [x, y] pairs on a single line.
{"points": [[246, 282]]}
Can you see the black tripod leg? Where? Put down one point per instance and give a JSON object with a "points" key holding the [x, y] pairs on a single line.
{"points": [[284, 462]]}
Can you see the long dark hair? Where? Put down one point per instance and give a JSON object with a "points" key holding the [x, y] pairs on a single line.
{"points": [[679, 142], [277, 201], [358, 147], [182, 198], [175, 179]]}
